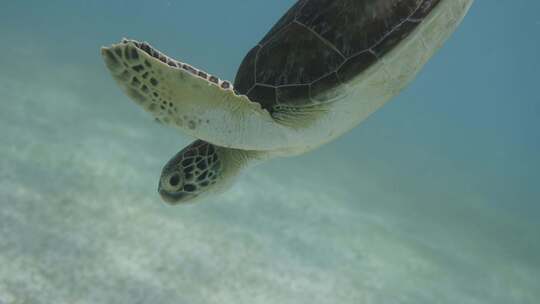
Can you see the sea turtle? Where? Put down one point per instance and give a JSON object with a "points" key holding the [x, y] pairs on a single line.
{"points": [[322, 69]]}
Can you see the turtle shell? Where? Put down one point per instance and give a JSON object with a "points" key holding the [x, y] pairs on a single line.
{"points": [[320, 44]]}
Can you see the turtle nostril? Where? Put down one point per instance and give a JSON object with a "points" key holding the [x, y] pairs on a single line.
{"points": [[174, 180]]}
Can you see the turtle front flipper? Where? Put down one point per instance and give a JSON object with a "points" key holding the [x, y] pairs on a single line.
{"points": [[202, 169], [200, 104]]}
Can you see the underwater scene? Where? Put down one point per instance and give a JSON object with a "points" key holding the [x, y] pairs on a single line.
{"points": [[434, 198]]}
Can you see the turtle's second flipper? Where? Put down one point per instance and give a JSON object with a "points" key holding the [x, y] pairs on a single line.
{"points": [[200, 104]]}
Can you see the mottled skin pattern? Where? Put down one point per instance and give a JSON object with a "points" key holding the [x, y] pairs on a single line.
{"points": [[190, 172], [321, 70], [320, 44]]}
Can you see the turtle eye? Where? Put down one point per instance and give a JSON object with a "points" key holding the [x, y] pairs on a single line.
{"points": [[174, 180]]}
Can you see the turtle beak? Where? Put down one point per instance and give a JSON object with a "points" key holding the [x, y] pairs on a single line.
{"points": [[169, 199], [175, 198]]}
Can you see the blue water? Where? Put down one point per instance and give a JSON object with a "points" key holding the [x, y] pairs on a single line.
{"points": [[434, 199]]}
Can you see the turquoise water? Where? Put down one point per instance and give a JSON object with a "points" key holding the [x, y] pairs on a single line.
{"points": [[434, 199]]}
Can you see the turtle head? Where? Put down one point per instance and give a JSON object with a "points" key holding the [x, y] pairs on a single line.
{"points": [[198, 170]]}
